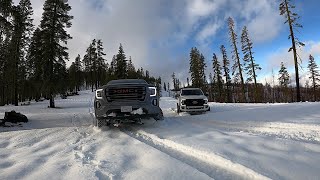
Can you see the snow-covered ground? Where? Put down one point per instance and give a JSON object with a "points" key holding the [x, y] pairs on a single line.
{"points": [[233, 141]]}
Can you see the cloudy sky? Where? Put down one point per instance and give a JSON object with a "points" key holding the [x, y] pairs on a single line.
{"points": [[159, 34]]}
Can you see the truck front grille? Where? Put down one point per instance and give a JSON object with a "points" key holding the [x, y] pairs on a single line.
{"points": [[126, 93], [194, 102]]}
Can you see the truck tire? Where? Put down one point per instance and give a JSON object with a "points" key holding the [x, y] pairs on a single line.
{"points": [[159, 117], [178, 108]]}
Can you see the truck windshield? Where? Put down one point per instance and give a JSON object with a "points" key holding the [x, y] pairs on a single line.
{"points": [[191, 92]]}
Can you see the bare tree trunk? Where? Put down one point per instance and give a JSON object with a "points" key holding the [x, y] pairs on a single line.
{"points": [[294, 53]]}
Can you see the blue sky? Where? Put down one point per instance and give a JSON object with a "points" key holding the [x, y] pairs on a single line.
{"points": [[159, 34]]}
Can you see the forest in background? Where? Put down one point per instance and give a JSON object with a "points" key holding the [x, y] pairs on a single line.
{"points": [[236, 80], [33, 62]]}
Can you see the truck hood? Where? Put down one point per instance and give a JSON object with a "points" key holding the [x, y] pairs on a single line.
{"points": [[194, 97]]}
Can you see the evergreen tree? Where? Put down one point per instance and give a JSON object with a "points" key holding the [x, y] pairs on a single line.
{"points": [[55, 19], [35, 64], [121, 69], [284, 80], [78, 72], [202, 67], [90, 64], [131, 69], [283, 76], [217, 75], [286, 8], [5, 12], [27, 22], [314, 75], [212, 88], [111, 70], [101, 64], [197, 68], [72, 73], [250, 66], [22, 27], [174, 80], [188, 82], [226, 64], [237, 66]]}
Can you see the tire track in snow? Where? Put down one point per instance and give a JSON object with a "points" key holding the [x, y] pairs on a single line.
{"points": [[294, 131], [211, 164]]}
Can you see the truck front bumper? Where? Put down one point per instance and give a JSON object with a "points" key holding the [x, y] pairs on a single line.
{"points": [[141, 109], [203, 108]]}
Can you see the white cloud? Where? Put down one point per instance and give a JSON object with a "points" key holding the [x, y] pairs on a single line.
{"points": [[169, 24], [208, 31]]}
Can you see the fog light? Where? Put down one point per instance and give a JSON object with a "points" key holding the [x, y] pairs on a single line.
{"points": [[98, 104], [155, 102]]}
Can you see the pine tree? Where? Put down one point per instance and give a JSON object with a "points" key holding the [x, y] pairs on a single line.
{"points": [[20, 41], [237, 66], [5, 12], [194, 70], [78, 72], [283, 76], [217, 75], [101, 64], [34, 63], [212, 88], [314, 75], [27, 22], [174, 80], [131, 69], [197, 68], [90, 64], [188, 82], [286, 9], [55, 19], [72, 73], [226, 64], [202, 67], [121, 69], [250, 66], [284, 80]]}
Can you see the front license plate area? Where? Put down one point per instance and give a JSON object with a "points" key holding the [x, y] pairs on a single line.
{"points": [[126, 108]]}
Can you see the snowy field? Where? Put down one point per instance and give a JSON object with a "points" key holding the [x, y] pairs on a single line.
{"points": [[233, 141]]}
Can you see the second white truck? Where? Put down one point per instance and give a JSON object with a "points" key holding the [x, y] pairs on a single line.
{"points": [[192, 100]]}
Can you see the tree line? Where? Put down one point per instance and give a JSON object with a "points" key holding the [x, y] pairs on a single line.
{"points": [[237, 82], [33, 60]]}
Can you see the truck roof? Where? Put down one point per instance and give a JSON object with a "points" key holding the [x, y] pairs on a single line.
{"points": [[190, 88], [127, 81]]}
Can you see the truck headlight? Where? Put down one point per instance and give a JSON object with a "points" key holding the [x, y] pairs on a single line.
{"points": [[153, 91], [206, 101], [99, 93]]}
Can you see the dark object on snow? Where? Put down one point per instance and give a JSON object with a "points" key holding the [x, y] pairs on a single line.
{"points": [[14, 117]]}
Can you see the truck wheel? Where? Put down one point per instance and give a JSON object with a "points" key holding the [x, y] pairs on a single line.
{"points": [[178, 108], [159, 116]]}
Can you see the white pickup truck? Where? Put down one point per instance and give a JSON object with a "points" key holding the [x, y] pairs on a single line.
{"points": [[192, 100]]}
